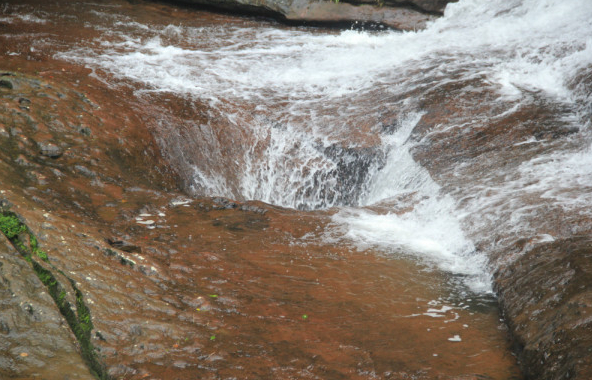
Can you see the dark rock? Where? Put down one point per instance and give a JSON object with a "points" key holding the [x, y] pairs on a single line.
{"points": [[86, 131], [49, 150], [24, 103], [100, 336], [225, 203], [555, 133], [123, 245], [122, 259], [4, 83]]}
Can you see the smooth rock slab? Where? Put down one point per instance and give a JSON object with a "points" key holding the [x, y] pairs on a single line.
{"points": [[35, 340]]}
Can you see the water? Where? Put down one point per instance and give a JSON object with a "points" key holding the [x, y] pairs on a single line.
{"points": [[440, 148], [314, 119]]}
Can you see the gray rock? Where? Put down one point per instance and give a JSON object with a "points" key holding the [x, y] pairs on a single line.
{"points": [[85, 171], [403, 15], [49, 150]]}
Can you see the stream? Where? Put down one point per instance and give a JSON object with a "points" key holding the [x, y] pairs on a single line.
{"points": [[430, 153]]}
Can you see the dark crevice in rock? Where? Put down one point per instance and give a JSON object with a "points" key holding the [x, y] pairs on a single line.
{"points": [[67, 297], [229, 8]]}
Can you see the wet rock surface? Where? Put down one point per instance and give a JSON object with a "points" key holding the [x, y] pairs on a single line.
{"points": [[221, 288], [551, 317], [217, 288], [543, 278]]}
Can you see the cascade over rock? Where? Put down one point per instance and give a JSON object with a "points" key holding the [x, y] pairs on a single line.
{"points": [[193, 195]]}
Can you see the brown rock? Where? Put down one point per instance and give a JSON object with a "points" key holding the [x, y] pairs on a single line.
{"points": [[546, 295]]}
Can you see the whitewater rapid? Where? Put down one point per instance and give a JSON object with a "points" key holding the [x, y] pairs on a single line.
{"points": [[322, 119]]}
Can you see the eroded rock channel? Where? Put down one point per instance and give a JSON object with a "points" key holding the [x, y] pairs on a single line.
{"points": [[179, 287], [131, 248]]}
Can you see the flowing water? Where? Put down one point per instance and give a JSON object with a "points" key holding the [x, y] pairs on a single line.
{"points": [[316, 120], [444, 145]]}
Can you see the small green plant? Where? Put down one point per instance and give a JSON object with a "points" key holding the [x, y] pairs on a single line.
{"points": [[36, 250], [34, 243], [11, 226], [46, 277], [83, 314], [42, 255]]}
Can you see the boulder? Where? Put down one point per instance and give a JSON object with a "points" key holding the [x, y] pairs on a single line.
{"points": [[407, 15]]}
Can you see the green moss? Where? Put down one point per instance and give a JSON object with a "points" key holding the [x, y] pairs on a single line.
{"points": [[36, 250], [42, 255], [11, 226], [34, 243]]}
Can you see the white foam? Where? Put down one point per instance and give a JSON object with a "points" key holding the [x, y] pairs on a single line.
{"points": [[27, 18], [518, 44]]}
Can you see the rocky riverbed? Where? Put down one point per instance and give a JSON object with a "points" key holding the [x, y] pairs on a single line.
{"points": [[117, 272], [180, 287]]}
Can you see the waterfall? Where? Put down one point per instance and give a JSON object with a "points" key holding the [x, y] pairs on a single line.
{"points": [[314, 119]]}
